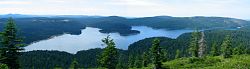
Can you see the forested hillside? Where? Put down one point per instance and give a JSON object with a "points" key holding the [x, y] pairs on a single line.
{"points": [[133, 56], [39, 28], [168, 22], [212, 37], [221, 45], [45, 59]]}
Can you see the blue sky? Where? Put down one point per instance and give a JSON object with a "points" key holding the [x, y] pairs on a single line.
{"points": [[129, 8]]}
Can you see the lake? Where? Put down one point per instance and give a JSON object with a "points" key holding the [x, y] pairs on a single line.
{"points": [[91, 38]]}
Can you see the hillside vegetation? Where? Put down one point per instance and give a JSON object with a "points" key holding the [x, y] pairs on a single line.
{"points": [[217, 62], [209, 49]]}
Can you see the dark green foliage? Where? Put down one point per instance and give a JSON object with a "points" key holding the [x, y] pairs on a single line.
{"points": [[177, 54], [214, 50], [40, 28], [87, 58], [145, 59], [110, 55], [141, 46], [164, 54], [171, 45], [46, 59], [123, 59], [74, 64], [51, 59], [138, 62], [131, 62], [121, 64], [111, 27], [212, 37], [156, 54], [226, 47], [169, 22], [239, 50], [3, 66], [194, 45], [10, 45]]}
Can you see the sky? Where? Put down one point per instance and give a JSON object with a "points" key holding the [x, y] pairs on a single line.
{"points": [[129, 8]]}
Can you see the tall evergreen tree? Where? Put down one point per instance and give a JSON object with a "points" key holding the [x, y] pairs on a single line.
{"points": [[145, 59], [110, 55], [177, 55], [214, 50], [194, 45], [74, 64], [156, 54], [121, 64], [226, 47], [131, 61], [138, 62], [11, 45]]}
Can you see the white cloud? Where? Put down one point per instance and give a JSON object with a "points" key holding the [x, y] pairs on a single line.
{"points": [[133, 2], [14, 2]]}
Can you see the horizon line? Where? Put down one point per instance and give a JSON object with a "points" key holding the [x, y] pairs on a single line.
{"points": [[116, 15]]}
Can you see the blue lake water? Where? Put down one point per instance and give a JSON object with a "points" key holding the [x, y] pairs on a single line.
{"points": [[91, 38]]}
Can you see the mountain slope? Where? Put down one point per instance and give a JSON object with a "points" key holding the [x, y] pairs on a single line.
{"points": [[168, 22], [40, 28], [218, 62], [182, 42]]}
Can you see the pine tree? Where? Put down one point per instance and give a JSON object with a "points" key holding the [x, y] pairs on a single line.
{"points": [[177, 55], [214, 50], [120, 64], [194, 45], [3, 66], [146, 59], [164, 54], [156, 54], [11, 45], [131, 61], [202, 45], [226, 47], [248, 50], [110, 55], [138, 62], [74, 64], [239, 50]]}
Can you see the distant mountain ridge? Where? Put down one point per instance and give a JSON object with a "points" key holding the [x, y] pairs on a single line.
{"points": [[51, 16], [171, 23], [48, 26]]}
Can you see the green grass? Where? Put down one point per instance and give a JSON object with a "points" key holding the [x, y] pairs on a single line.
{"points": [[218, 62]]}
